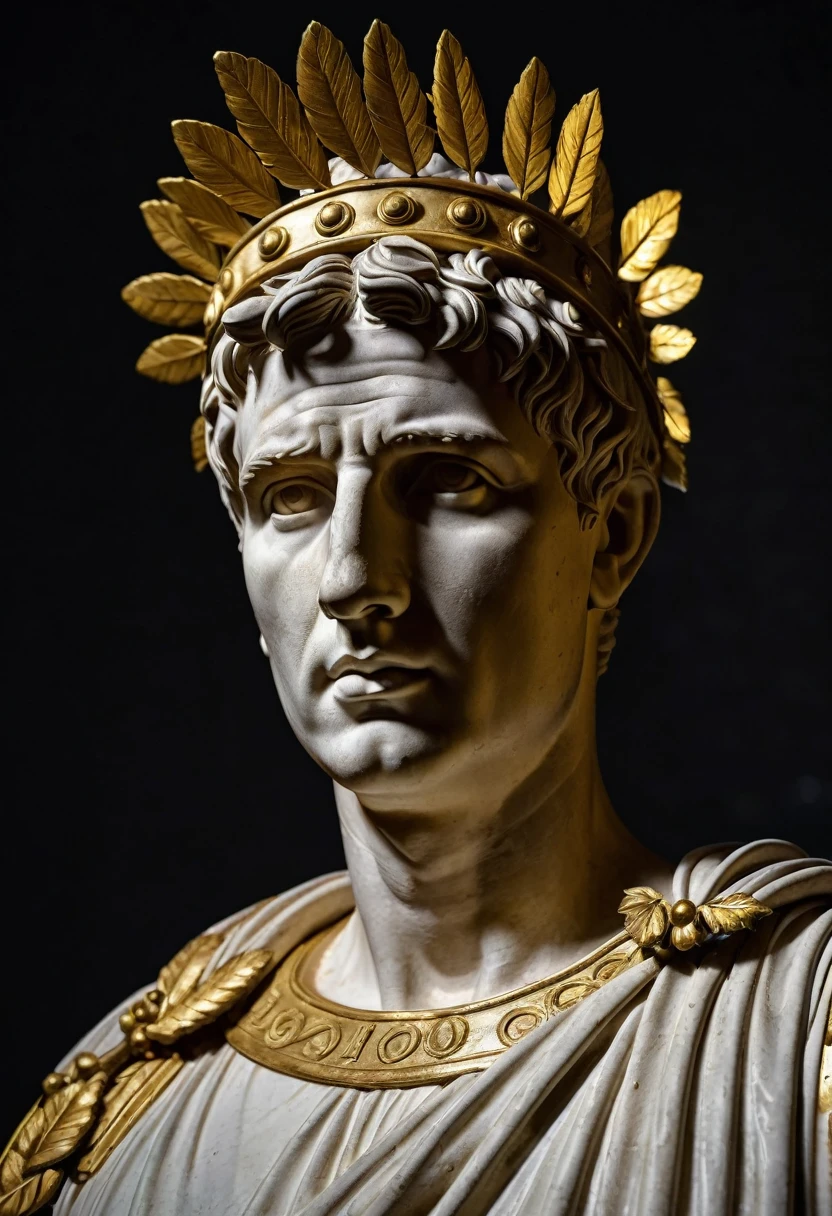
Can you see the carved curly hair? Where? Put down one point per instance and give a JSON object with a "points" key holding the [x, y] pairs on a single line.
{"points": [[570, 385]]}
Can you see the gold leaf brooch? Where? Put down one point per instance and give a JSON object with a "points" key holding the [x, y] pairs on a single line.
{"points": [[651, 920], [93, 1104]]}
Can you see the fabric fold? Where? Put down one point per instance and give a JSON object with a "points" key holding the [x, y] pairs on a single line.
{"points": [[683, 1088]]}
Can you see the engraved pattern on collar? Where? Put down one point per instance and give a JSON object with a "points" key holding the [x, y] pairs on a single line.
{"points": [[293, 1030]]}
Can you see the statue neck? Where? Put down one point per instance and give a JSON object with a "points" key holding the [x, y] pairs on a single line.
{"points": [[458, 904]]}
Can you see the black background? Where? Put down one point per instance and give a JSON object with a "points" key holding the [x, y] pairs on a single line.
{"points": [[156, 785]]}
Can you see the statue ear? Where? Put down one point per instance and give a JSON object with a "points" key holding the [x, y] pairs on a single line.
{"points": [[626, 531]]}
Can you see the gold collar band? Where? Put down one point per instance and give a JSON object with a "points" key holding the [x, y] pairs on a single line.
{"points": [[293, 1030]]}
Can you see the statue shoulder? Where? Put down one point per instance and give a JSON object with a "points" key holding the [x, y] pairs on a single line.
{"points": [[115, 1073]]}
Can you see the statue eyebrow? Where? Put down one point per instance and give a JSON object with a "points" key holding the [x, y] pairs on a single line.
{"points": [[264, 460], [420, 434], [417, 436]]}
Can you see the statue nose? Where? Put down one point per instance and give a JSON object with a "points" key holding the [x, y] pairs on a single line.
{"points": [[364, 573], [351, 590]]}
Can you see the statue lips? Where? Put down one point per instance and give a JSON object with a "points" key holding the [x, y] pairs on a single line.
{"points": [[378, 677]]}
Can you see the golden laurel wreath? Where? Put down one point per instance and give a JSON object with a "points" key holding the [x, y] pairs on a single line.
{"points": [[282, 137]]}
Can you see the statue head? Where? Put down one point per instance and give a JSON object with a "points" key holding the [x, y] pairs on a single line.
{"points": [[430, 418], [442, 484]]}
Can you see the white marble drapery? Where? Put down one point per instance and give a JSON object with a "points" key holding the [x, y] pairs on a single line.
{"points": [[682, 1090]]}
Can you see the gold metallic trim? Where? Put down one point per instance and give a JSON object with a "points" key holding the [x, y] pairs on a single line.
{"points": [[516, 1024], [396, 208], [272, 242], [293, 1030], [522, 239], [467, 213], [334, 217], [525, 234]]}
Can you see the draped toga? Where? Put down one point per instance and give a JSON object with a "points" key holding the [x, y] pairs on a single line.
{"points": [[689, 1087]]}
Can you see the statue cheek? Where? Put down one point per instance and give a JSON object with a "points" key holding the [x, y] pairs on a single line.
{"points": [[282, 583], [474, 569]]}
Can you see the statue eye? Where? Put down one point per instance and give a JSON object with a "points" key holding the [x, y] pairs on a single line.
{"points": [[449, 477], [449, 484], [293, 499]]}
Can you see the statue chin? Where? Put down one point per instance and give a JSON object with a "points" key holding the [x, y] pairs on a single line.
{"points": [[382, 757]]}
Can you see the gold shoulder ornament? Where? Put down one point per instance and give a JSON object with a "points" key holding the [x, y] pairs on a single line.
{"points": [[564, 240], [653, 922], [87, 1110]]}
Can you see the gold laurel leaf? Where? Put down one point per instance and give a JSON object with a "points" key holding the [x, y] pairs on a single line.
{"points": [[669, 343], [30, 1194], [205, 211], [572, 176], [168, 299], [667, 290], [270, 120], [398, 107], [30, 1131], [57, 1128], [132, 1092], [173, 359], [733, 912], [330, 90], [600, 226], [675, 416], [124, 1085], [581, 222], [11, 1162], [11, 1169], [674, 466], [214, 997], [199, 451], [222, 162], [646, 915], [184, 971], [173, 234], [457, 102], [646, 232], [528, 129]]}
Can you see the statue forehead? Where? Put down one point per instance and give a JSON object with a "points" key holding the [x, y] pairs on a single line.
{"points": [[377, 380]]}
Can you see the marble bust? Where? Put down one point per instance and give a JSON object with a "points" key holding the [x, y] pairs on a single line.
{"points": [[444, 472]]}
